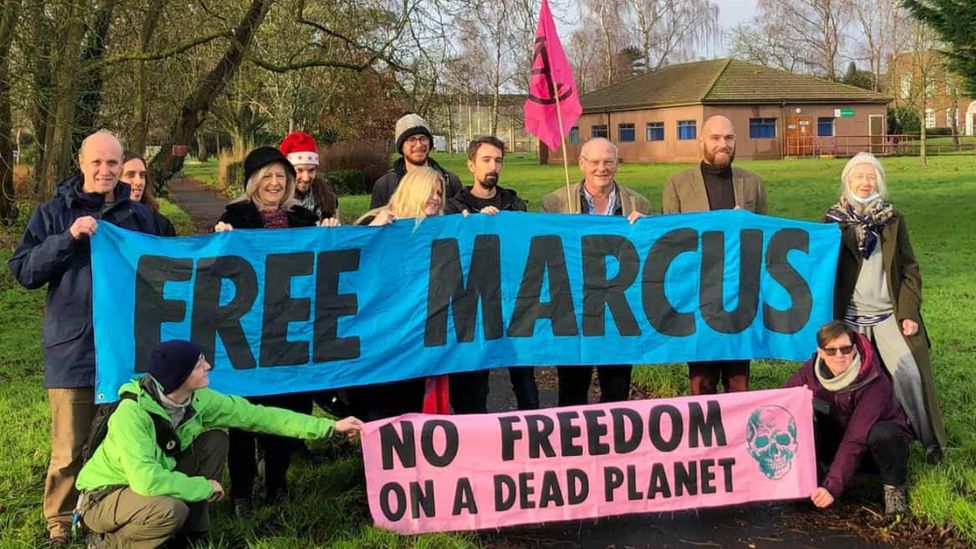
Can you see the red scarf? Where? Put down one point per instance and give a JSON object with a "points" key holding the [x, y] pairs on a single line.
{"points": [[437, 396]]}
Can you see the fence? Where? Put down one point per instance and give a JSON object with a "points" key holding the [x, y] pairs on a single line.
{"points": [[880, 145]]}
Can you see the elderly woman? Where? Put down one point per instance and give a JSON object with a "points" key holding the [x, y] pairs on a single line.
{"points": [[856, 416], [879, 292], [134, 173], [419, 195], [267, 203]]}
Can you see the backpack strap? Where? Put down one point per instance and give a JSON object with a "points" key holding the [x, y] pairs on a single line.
{"points": [[166, 437]]}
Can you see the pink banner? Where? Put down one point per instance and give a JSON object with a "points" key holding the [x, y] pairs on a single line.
{"points": [[442, 473]]}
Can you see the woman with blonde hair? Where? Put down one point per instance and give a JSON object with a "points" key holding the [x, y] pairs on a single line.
{"points": [[419, 196], [879, 292], [267, 203]]}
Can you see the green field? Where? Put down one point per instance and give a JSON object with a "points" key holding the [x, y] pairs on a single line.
{"points": [[328, 508]]}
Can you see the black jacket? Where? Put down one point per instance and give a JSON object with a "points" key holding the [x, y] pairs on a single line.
{"points": [[47, 254], [385, 186], [245, 215], [508, 201]]}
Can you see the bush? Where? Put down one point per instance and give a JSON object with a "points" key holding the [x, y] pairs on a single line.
{"points": [[346, 182], [371, 158], [937, 132]]}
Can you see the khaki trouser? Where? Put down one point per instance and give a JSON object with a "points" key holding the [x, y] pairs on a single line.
{"points": [[128, 519], [72, 411]]}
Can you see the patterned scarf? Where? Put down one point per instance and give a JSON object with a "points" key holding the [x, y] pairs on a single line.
{"points": [[867, 224]]}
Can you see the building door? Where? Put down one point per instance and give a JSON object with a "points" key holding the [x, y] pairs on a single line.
{"points": [[799, 136], [876, 131]]}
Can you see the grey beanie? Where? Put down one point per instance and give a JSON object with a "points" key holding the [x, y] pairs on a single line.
{"points": [[408, 126]]}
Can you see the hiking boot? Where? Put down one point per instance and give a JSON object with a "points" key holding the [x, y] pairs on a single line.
{"points": [[243, 509], [895, 499]]}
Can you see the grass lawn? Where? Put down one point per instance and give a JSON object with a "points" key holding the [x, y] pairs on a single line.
{"points": [[327, 507]]}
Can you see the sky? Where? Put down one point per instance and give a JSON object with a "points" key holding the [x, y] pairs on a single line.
{"points": [[730, 14]]}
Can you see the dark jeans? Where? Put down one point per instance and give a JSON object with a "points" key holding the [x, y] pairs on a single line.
{"points": [[887, 454], [524, 386], [373, 402], [574, 383], [242, 462], [704, 376]]}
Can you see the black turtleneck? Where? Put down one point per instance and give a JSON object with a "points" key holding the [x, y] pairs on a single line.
{"points": [[718, 185]]}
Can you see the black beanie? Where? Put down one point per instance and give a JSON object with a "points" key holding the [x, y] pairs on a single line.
{"points": [[171, 362], [261, 157]]}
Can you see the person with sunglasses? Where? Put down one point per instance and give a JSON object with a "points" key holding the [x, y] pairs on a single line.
{"points": [[857, 422]]}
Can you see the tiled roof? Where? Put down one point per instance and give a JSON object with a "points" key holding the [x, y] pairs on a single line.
{"points": [[722, 81]]}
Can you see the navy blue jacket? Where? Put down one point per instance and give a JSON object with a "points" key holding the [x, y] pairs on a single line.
{"points": [[47, 254]]}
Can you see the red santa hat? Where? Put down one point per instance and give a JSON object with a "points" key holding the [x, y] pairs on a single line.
{"points": [[299, 148]]}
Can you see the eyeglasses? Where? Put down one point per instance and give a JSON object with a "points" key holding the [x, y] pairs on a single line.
{"points": [[862, 177], [608, 163], [417, 139], [844, 350]]}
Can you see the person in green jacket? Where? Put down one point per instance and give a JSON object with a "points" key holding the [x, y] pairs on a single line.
{"points": [[137, 492]]}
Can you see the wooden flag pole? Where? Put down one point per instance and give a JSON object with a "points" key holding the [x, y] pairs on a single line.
{"points": [[562, 136]]}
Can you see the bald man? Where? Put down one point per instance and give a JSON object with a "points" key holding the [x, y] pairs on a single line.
{"points": [[598, 193], [715, 185], [54, 251]]}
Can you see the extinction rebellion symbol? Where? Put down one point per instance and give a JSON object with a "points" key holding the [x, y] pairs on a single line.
{"points": [[540, 53]]}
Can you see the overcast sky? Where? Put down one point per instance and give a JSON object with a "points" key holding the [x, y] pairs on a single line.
{"points": [[730, 13]]}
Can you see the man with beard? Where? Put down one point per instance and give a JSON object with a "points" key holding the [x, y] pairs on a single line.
{"points": [[414, 142], [312, 192], [597, 194], [715, 185], [486, 157]]}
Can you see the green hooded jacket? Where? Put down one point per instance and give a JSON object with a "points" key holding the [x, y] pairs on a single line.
{"points": [[129, 455]]}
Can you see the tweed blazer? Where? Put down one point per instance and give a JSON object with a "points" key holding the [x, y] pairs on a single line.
{"points": [[685, 192]]}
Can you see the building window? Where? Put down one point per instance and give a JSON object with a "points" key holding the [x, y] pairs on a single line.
{"points": [[951, 114], [599, 130], [929, 118], [574, 135], [655, 131], [825, 127], [687, 129], [762, 128], [626, 132], [906, 86]]}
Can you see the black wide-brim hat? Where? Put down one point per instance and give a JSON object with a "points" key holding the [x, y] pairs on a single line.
{"points": [[261, 157]]}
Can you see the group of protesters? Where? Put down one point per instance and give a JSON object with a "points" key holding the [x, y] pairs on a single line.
{"points": [[871, 374]]}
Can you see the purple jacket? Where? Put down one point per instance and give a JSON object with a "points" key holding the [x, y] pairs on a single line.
{"points": [[854, 410]]}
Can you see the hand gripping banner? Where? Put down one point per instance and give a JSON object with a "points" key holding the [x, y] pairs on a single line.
{"points": [[440, 473], [281, 311]]}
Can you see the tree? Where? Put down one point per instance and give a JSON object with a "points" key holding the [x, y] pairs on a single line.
{"points": [[813, 29], [8, 15], [765, 42], [954, 21], [668, 30]]}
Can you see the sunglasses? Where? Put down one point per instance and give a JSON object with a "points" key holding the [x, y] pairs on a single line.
{"points": [[844, 350]]}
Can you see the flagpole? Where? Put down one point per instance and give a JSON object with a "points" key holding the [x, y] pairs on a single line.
{"points": [[562, 136]]}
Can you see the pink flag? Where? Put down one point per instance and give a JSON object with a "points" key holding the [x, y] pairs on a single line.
{"points": [[552, 77]]}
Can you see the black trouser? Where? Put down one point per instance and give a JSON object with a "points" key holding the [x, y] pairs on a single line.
{"points": [[574, 383], [524, 386], [242, 462], [373, 402], [469, 392], [888, 448]]}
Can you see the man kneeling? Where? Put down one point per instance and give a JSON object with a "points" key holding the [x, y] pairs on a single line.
{"points": [[856, 414], [139, 490]]}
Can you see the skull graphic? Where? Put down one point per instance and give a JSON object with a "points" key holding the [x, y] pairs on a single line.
{"points": [[771, 435]]}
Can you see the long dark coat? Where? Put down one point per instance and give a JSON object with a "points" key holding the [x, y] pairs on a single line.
{"points": [[905, 289]]}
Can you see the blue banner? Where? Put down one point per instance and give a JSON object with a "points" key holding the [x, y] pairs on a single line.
{"points": [[281, 311]]}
